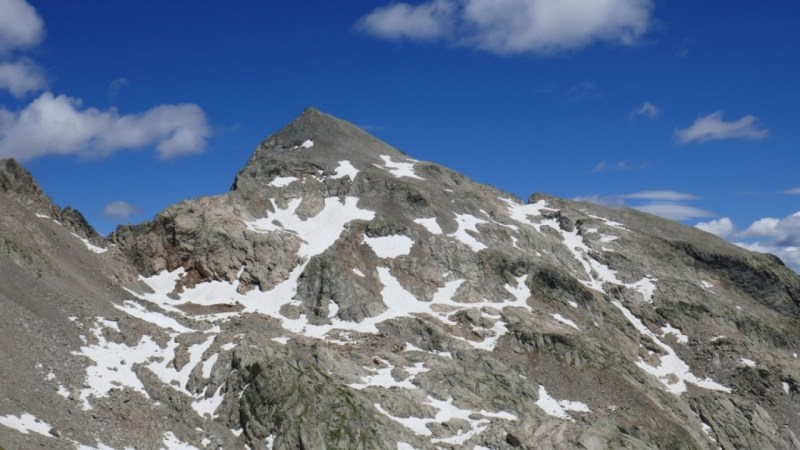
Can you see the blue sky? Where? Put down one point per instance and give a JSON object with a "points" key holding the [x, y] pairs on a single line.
{"points": [[685, 109]]}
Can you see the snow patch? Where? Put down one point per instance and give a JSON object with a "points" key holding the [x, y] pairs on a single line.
{"points": [[390, 246], [383, 378], [345, 169], [282, 181], [208, 365], [160, 320], [446, 411], [468, 222], [26, 423], [398, 169], [559, 408], [171, 442], [680, 337], [318, 232], [748, 362], [430, 224]]}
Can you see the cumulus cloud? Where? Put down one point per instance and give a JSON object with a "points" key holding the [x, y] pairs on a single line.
{"points": [[60, 125], [120, 210], [514, 26], [790, 255], [648, 110], [714, 128], [20, 26], [780, 237], [21, 78], [722, 227], [403, 21]]}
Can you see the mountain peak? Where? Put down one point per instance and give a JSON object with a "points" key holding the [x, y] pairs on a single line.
{"points": [[20, 185], [316, 139], [321, 131]]}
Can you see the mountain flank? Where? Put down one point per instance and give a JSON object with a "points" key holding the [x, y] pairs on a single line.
{"points": [[345, 295]]}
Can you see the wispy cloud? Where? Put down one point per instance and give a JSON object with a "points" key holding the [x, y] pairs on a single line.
{"points": [[674, 211], [605, 200], [585, 90], [121, 210], [619, 166], [664, 203], [795, 191], [661, 195], [780, 237], [59, 125], [513, 26], [714, 128], [115, 86], [647, 109]]}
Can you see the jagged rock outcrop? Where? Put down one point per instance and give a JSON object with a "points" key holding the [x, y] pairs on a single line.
{"points": [[344, 295], [18, 184]]}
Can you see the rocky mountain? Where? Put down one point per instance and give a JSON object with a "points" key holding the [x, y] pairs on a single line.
{"points": [[343, 295]]}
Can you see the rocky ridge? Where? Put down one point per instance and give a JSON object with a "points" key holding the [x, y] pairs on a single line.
{"points": [[344, 295]]}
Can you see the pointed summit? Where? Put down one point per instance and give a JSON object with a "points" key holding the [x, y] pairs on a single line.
{"points": [[319, 132], [313, 141]]}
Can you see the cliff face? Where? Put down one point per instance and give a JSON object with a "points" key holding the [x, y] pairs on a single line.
{"points": [[344, 295]]}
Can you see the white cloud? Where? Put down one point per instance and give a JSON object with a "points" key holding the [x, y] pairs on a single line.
{"points": [[20, 25], [722, 227], [780, 237], [713, 128], [21, 78], [766, 227], [795, 191], [120, 210], [57, 125], [672, 196], [514, 26], [403, 21], [648, 110], [674, 211], [790, 255]]}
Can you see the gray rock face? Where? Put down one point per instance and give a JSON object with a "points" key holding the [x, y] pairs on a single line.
{"points": [[344, 295]]}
